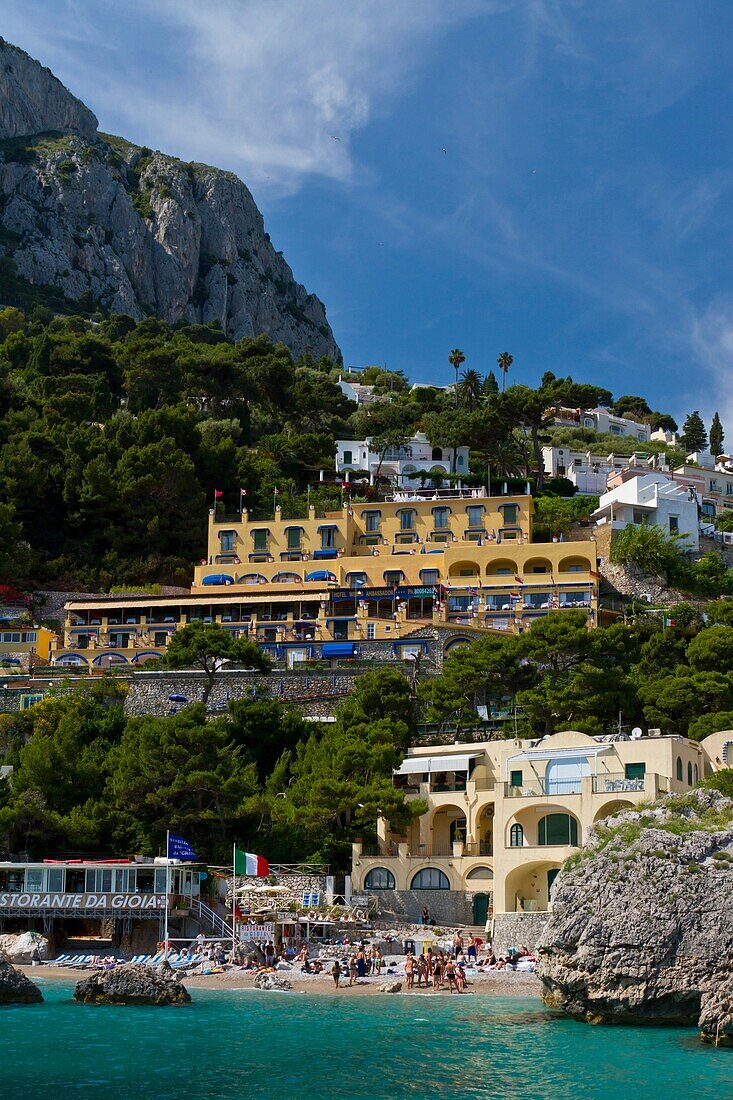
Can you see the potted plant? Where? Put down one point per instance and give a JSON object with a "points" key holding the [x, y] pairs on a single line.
{"points": [[459, 838]]}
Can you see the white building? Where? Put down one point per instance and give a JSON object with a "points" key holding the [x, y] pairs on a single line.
{"points": [[417, 456], [712, 480], [360, 392], [650, 498], [590, 472], [600, 420]]}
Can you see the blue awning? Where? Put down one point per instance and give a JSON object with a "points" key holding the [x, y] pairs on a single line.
{"points": [[332, 553], [327, 526], [338, 649], [320, 575], [218, 578]]}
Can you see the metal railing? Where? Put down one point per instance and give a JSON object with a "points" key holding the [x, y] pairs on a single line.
{"points": [[617, 783], [206, 915], [540, 787]]}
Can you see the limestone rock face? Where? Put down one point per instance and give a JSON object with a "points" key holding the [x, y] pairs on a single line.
{"points": [[15, 988], [642, 922], [33, 100], [133, 984], [138, 232], [390, 987]]}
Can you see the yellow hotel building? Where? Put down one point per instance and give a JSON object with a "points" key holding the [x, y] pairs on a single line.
{"points": [[328, 586]]}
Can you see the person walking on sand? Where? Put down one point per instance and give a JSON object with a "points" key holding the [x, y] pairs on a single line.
{"points": [[410, 969], [336, 972], [450, 973], [422, 970], [353, 972]]}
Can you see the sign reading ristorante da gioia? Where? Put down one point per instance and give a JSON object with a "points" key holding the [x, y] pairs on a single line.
{"points": [[82, 901]]}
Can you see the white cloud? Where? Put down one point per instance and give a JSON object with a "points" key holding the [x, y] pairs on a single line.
{"points": [[274, 90]]}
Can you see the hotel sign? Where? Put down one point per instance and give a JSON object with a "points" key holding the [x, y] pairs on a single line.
{"points": [[116, 902]]}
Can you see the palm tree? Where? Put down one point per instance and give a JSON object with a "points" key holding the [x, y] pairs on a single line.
{"points": [[470, 389], [456, 357], [504, 362]]}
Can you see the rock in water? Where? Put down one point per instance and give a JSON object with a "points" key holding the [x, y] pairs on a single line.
{"points": [[642, 923], [271, 981], [15, 988], [137, 232], [132, 984]]}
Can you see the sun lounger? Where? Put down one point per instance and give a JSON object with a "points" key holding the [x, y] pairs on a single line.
{"points": [[56, 962]]}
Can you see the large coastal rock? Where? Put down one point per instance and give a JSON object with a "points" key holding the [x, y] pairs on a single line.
{"points": [[132, 984], [109, 222], [642, 922], [266, 980], [15, 988], [33, 100], [23, 947]]}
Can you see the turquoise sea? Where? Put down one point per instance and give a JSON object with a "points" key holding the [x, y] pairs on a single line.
{"points": [[229, 1045]]}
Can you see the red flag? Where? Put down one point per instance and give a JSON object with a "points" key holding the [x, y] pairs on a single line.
{"points": [[218, 494]]}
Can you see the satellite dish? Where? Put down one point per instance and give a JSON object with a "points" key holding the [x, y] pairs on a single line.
{"points": [[636, 733]]}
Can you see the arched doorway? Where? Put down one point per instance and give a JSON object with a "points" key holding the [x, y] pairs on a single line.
{"points": [[480, 907]]}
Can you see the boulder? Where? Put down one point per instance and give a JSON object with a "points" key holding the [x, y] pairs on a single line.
{"points": [[15, 988], [133, 984], [266, 980], [716, 1017], [23, 947], [390, 987], [642, 923]]}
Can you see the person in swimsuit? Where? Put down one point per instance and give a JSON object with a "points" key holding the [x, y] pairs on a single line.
{"points": [[410, 970], [450, 973], [336, 972]]}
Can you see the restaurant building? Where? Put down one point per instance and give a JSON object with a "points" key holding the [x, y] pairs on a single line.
{"points": [[111, 899]]}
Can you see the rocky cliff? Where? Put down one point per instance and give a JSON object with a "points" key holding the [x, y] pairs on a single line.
{"points": [[642, 922], [137, 232]]}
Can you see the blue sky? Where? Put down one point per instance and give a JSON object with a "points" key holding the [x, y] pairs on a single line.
{"points": [[548, 177]]}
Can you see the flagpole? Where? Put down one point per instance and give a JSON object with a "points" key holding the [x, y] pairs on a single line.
{"points": [[167, 890], [234, 895]]}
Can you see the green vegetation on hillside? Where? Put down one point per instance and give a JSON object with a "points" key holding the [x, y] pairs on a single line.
{"points": [[115, 434], [676, 676], [86, 778]]}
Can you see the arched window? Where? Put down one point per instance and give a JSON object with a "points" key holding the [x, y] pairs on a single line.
{"points": [[679, 769], [430, 878], [516, 836], [689, 773], [481, 872], [696, 775], [379, 878], [557, 829], [437, 454]]}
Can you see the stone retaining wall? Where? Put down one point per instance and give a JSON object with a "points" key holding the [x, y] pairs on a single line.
{"points": [[447, 907], [515, 929], [316, 693]]}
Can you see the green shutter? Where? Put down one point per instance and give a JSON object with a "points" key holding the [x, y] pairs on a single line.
{"points": [[635, 771], [516, 779]]}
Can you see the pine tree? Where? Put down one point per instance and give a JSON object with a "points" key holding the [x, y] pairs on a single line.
{"points": [[694, 436], [490, 386], [717, 436]]}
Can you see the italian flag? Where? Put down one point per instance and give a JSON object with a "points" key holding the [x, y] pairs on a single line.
{"points": [[246, 863]]}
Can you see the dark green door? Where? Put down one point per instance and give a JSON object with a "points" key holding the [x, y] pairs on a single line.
{"points": [[480, 908], [551, 876]]}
